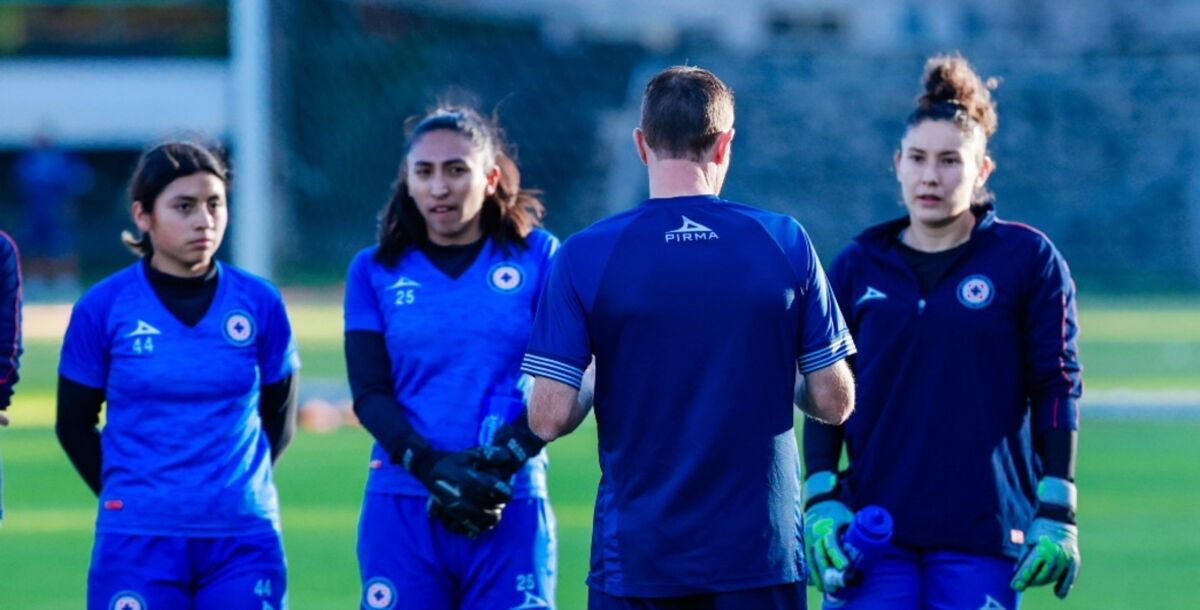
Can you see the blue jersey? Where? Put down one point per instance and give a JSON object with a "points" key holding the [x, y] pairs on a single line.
{"points": [[950, 382], [697, 311], [455, 345], [183, 446]]}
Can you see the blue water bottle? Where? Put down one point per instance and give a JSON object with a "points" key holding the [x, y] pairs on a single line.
{"points": [[498, 409], [864, 543]]}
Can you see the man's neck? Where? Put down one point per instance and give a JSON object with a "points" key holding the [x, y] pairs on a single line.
{"points": [[680, 178]]}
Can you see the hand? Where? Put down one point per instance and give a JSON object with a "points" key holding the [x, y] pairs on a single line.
{"points": [[466, 500], [1051, 556], [464, 518], [512, 446], [824, 522], [1051, 552], [3, 419]]}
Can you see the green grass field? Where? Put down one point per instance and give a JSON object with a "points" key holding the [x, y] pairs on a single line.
{"points": [[1139, 482]]}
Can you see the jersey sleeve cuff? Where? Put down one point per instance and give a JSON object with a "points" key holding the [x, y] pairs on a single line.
{"points": [[81, 376], [541, 366], [367, 321], [289, 367], [1055, 413], [839, 349]]}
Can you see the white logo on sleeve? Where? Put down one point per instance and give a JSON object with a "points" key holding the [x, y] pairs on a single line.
{"points": [[143, 330], [690, 231], [870, 295]]}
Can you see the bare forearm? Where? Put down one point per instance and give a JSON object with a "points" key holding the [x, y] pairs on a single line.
{"points": [[829, 393], [555, 409]]}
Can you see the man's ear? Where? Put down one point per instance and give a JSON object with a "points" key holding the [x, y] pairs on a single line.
{"points": [[721, 147], [639, 139]]}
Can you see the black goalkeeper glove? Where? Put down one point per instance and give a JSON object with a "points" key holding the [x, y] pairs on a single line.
{"points": [[464, 499], [467, 500], [511, 447]]}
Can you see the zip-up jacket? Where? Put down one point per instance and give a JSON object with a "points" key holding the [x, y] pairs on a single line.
{"points": [[952, 383], [10, 318]]}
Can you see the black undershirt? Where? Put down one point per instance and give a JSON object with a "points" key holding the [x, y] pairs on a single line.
{"points": [[369, 369], [929, 267], [453, 260], [188, 299]]}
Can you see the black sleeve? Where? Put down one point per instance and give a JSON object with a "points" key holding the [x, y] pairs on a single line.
{"points": [[277, 407], [78, 415], [1056, 449], [370, 371], [822, 447], [10, 319]]}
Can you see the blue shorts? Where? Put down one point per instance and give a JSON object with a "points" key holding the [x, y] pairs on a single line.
{"points": [[933, 580], [781, 597], [408, 560], [133, 572]]}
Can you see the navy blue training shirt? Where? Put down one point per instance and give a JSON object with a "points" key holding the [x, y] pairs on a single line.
{"points": [[697, 311], [951, 380]]}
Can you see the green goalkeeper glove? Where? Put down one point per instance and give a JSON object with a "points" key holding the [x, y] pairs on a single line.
{"points": [[1052, 543], [825, 519]]}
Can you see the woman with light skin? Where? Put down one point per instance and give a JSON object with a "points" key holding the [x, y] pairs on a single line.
{"points": [[196, 364], [437, 316], [967, 379]]}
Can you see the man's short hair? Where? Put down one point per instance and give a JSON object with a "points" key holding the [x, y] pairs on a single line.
{"points": [[684, 109]]}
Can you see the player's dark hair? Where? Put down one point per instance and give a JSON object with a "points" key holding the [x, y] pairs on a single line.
{"points": [[954, 92], [509, 214], [160, 166], [684, 109]]}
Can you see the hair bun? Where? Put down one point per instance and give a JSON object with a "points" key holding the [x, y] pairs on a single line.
{"points": [[950, 79]]}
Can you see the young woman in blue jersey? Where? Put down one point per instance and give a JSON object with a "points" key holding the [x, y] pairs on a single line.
{"points": [[196, 362], [965, 428], [437, 315]]}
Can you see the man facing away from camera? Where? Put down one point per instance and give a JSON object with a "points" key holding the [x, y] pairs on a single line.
{"points": [[699, 313]]}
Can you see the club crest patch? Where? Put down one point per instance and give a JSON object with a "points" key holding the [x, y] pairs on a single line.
{"points": [[506, 277], [379, 593], [127, 600], [238, 327], [976, 292]]}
